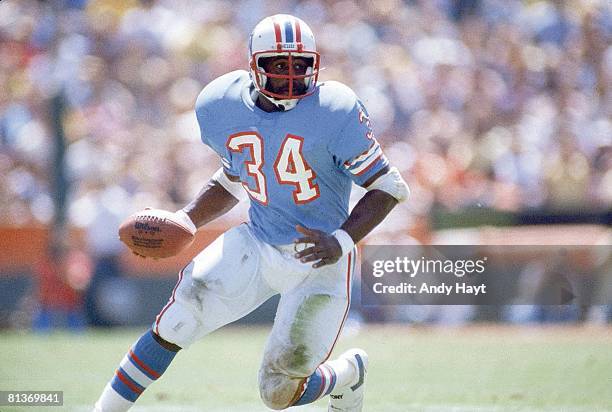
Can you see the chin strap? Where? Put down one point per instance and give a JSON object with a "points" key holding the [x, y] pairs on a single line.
{"points": [[283, 105]]}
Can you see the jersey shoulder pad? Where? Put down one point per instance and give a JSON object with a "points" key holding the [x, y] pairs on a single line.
{"points": [[218, 104], [221, 90], [337, 97]]}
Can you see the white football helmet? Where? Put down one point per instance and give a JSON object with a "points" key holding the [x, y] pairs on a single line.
{"points": [[288, 36]]}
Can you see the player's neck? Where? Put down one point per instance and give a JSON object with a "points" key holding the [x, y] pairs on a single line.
{"points": [[265, 104]]}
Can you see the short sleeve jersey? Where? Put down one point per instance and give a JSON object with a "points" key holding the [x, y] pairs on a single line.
{"points": [[296, 166]]}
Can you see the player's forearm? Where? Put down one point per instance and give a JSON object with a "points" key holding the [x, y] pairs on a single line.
{"points": [[212, 201], [368, 213]]}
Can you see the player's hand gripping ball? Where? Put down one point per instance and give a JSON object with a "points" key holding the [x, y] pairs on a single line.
{"points": [[157, 233]]}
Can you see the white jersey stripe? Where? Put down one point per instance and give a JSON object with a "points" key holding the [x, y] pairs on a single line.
{"points": [[363, 156], [366, 163]]}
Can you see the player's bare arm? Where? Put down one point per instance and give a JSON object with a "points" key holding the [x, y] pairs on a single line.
{"points": [[212, 201], [368, 213]]}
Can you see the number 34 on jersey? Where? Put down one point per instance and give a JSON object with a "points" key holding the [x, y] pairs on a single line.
{"points": [[290, 167]]}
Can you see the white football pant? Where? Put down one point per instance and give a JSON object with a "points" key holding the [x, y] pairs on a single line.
{"points": [[236, 274]]}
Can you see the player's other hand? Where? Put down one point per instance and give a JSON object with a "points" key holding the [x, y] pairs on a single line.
{"points": [[321, 247]]}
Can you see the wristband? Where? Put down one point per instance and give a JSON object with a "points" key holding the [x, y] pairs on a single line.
{"points": [[346, 241], [184, 218]]}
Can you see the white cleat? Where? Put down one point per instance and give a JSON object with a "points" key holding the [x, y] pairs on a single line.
{"points": [[350, 398]]}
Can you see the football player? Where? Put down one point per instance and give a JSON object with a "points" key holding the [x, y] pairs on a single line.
{"points": [[293, 146]]}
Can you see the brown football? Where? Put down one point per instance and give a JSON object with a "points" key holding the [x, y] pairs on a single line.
{"points": [[155, 233]]}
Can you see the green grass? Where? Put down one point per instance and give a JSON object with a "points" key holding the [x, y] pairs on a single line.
{"points": [[472, 369]]}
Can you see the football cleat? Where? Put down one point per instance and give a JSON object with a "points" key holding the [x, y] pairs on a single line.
{"points": [[350, 398]]}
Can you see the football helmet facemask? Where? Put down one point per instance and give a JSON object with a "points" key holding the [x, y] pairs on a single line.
{"points": [[283, 35]]}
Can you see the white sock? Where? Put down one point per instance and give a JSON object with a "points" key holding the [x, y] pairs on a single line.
{"points": [[345, 372], [111, 401]]}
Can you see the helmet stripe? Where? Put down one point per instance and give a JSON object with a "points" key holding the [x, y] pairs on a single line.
{"points": [[288, 31], [298, 31], [277, 32]]}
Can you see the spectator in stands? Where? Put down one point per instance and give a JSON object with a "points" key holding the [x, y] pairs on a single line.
{"points": [[61, 278]]}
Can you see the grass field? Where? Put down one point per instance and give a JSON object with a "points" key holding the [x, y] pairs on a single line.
{"points": [[471, 369]]}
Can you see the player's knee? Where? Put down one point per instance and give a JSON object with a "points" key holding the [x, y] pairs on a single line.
{"points": [[282, 372], [278, 391], [177, 325]]}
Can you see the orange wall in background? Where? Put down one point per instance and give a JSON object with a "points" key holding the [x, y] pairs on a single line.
{"points": [[22, 247]]}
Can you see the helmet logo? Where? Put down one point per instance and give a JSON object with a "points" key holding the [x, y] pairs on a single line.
{"points": [[291, 46]]}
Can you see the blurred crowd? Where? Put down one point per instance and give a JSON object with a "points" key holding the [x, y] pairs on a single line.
{"points": [[501, 104]]}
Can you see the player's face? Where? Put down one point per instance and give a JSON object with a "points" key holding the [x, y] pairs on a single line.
{"points": [[280, 65]]}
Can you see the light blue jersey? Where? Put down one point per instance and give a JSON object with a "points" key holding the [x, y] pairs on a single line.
{"points": [[297, 166]]}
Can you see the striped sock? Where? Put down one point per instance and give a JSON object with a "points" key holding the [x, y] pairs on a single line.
{"points": [[319, 384], [144, 363]]}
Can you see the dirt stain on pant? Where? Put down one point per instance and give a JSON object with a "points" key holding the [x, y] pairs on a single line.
{"points": [[306, 318]]}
